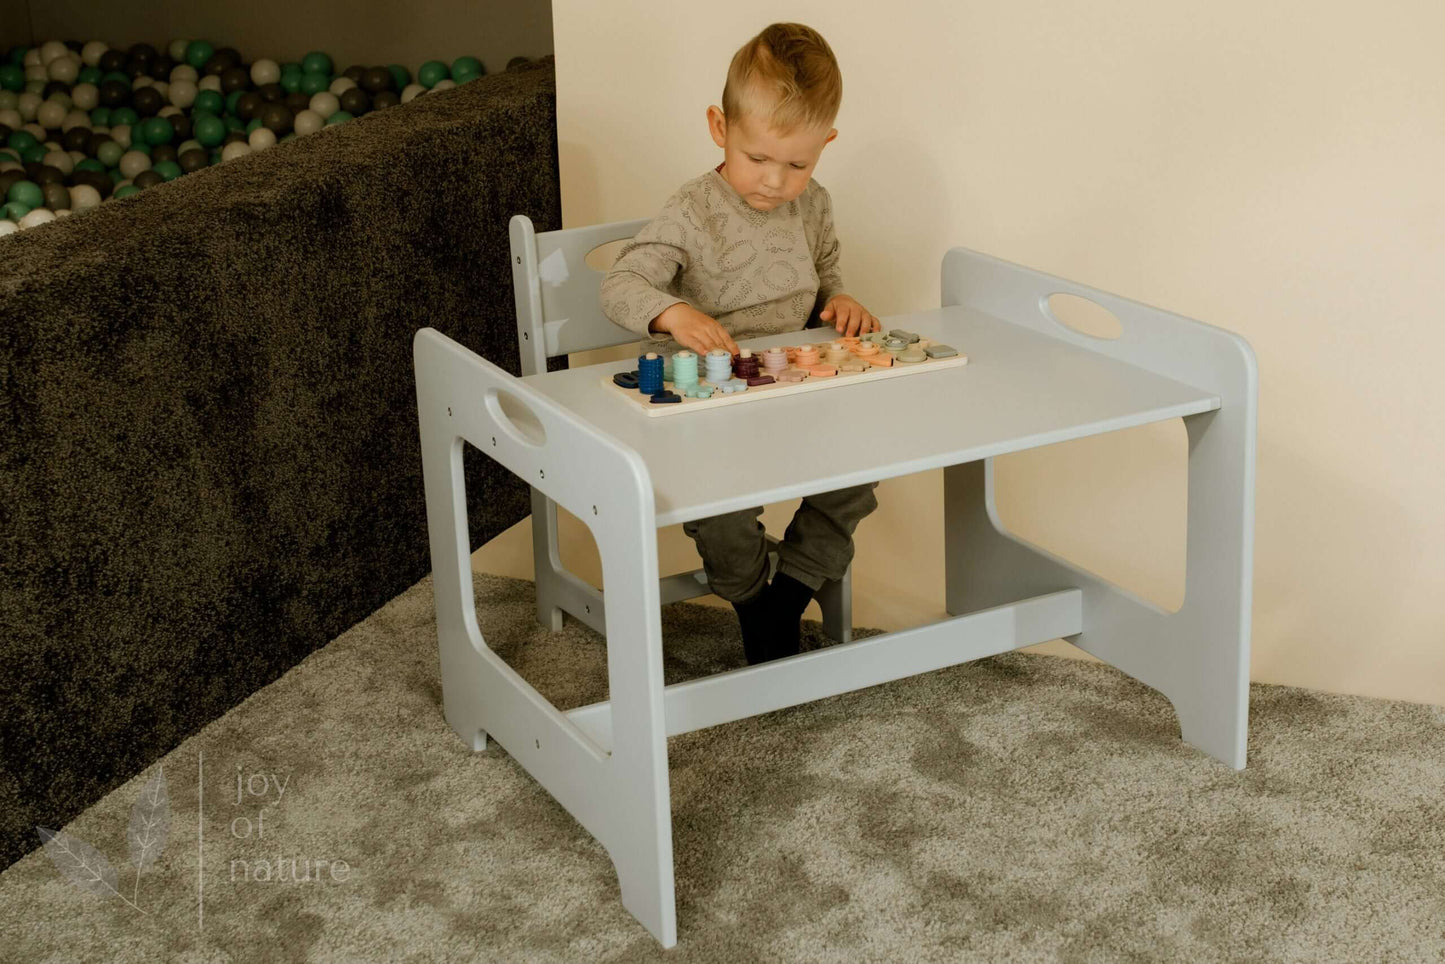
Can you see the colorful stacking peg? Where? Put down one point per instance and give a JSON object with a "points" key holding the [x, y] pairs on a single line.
{"points": [[649, 373], [625, 379], [941, 351], [908, 337]]}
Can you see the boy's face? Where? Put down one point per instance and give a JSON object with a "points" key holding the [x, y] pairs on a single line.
{"points": [[766, 167]]}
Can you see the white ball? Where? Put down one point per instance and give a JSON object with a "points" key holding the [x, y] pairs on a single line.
{"points": [[52, 49], [8, 227], [40, 133], [133, 162], [210, 82], [63, 213], [32, 57], [85, 96], [265, 72], [341, 85], [8, 99], [184, 72], [61, 97], [36, 218], [177, 49], [83, 197], [100, 130], [411, 92], [447, 84], [261, 138], [120, 133], [10, 166], [64, 69], [234, 150], [28, 103], [10, 117], [325, 103], [74, 119], [142, 81], [93, 51], [59, 159], [170, 110], [183, 93], [191, 145], [37, 72], [75, 156], [51, 114], [308, 121], [163, 88]]}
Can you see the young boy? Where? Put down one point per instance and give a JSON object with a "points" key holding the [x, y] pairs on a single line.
{"points": [[748, 249]]}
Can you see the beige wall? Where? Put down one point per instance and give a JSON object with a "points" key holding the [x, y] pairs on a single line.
{"points": [[14, 24], [1273, 169], [366, 31]]}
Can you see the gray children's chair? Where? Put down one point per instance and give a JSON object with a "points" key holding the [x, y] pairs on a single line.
{"points": [[559, 311]]}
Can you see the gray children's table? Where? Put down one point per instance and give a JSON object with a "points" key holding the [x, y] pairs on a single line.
{"points": [[1030, 381]]}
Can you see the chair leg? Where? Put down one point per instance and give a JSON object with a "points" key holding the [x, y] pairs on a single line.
{"points": [[546, 561], [836, 600]]}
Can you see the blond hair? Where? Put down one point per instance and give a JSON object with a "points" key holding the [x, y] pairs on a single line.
{"points": [[787, 76]]}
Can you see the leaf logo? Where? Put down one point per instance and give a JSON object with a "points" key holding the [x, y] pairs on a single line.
{"points": [[87, 868]]}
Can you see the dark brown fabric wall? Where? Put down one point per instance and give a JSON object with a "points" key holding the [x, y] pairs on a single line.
{"points": [[208, 436]]}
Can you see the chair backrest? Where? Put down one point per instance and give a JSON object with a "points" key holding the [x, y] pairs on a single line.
{"points": [[559, 309]]}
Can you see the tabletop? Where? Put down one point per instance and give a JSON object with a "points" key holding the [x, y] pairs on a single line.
{"points": [[1020, 389]]}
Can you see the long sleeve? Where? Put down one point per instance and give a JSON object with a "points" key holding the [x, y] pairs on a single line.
{"points": [[825, 252], [635, 289]]}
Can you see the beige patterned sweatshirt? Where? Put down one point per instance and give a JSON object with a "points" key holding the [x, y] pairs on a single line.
{"points": [[756, 272]]}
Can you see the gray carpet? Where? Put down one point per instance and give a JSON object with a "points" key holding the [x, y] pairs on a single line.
{"points": [[1020, 807]]}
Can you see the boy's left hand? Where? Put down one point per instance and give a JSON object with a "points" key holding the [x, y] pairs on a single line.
{"points": [[849, 317]]}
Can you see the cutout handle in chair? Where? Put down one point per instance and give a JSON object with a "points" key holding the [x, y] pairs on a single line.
{"points": [[514, 418], [1082, 315]]}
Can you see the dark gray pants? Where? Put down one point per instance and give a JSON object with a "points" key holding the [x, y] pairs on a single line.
{"points": [[817, 548]]}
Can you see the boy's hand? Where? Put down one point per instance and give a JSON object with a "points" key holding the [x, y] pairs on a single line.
{"points": [[694, 330], [849, 317]]}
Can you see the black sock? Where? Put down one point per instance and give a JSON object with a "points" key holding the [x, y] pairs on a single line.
{"points": [[787, 598], [756, 626]]}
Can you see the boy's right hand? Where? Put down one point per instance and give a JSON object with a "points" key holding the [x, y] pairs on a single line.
{"points": [[694, 330]]}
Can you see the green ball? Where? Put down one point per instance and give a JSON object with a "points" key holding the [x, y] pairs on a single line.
{"points": [[158, 130], [468, 65], [432, 73], [340, 117], [209, 129], [9, 155], [255, 123], [232, 98], [90, 164], [464, 76], [198, 52], [27, 193], [289, 137], [314, 82], [116, 175], [124, 115], [140, 145], [127, 191], [15, 210], [400, 74], [89, 75], [233, 123], [169, 170], [17, 54], [12, 77], [108, 153], [34, 155], [291, 83], [117, 75], [19, 140], [316, 62], [209, 102], [292, 67], [100, 117]]}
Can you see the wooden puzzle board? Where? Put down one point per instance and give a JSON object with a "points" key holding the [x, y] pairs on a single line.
{"points": [[777, 389]]}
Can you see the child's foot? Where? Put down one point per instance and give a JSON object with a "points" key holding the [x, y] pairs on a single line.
{"points": [[756, 626], [787, 598]]}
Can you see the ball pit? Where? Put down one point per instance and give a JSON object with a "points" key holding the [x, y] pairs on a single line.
{"points": [[85, 123]]}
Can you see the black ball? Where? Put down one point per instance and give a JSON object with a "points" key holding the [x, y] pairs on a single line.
{"points": [[235, 78], [193, 160], [248, 104], [147, 101], [516, 62], [145, 179], [56, 196], [5, 132], [94, 144], [112, 59], [298, 101], [143, 51], [355, 101], [135, 70], [8, 179], [221, 61], [76, 139], [114, 94], [377, 79], [163, 152], [234, 136], [33, 169], [75, 45], [101, 182], [54, 87], [272, 93], [277, 118], [387, 98], [181, 124], [48, 174], [162, 67], [354, 73]]}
